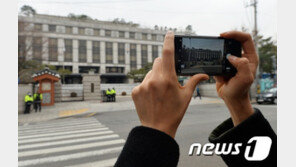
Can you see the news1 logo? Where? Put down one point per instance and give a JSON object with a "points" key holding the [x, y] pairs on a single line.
{"points": [[257, 148]]}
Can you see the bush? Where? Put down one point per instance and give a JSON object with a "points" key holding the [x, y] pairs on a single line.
{"points": [[73, 94], [123, 93]]}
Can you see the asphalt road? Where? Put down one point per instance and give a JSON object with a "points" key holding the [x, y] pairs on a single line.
{"points": [[197, 124], [96, 139]]}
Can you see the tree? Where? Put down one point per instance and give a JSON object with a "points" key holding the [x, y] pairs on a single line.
{"points": [[189, 28], [28, 10], [139, 74], [81, 16], [267, 50]]}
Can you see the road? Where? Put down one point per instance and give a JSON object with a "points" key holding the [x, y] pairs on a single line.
{"points": [[96, 139]]}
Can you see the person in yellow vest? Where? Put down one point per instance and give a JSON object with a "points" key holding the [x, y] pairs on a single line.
{"points": [[28, 103], [113, 94], [37, 101], [108, 93]]}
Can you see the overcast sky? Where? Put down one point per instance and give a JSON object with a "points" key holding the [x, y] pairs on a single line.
{"points": [[208, 17]]}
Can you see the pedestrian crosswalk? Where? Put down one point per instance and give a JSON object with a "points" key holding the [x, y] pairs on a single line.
{"points": [[76, 142]]}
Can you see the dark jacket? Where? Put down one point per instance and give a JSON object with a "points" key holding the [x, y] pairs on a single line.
{"points": [[153, 148]]}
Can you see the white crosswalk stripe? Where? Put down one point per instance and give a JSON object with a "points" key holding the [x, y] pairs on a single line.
{"points": [[66, 141]]}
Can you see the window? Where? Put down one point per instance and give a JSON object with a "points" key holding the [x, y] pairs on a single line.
{"points": [[154, 52], [53, 49], [68, 50], [52, 28], [21, 46], [133, 56], [108, 33], [37, 48], [144, 36], [86, 69], [37, 27], [121, 34], [96, 51], [97, 32], [82, 50], [114, 69], [69, 30], [109, 52], [144, 55], [153, 37], [81, 31], [132, 35], [121, 51], [92, 87]]}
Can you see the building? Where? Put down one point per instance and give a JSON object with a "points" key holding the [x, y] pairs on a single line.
{"points": [[109, 48]]}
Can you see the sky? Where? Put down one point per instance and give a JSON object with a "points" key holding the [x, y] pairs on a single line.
{"points": [[207, 17]]}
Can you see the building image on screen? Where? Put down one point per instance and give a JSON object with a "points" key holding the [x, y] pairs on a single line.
{"points": [[201, 53]]}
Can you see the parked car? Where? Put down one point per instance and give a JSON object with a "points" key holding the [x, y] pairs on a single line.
{"points": [[267, 96]]}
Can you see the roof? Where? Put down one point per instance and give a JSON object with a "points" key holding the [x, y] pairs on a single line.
{"points": [[46, 71]]}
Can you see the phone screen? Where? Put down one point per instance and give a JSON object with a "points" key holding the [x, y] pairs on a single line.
{"points": [[200, 55]]}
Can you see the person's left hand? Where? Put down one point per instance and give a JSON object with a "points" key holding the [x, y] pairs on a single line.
{"points": [[160, 100]]}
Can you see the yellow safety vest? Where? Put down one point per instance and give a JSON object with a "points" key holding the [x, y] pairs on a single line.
{"points": [[35, 96], [28, 98], [113, 91], [108, 92]]}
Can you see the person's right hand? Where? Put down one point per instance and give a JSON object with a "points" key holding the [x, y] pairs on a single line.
{"points": [[235, 91]]}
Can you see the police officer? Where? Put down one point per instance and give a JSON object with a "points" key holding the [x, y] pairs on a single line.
{"points": [[108, 93], [37, 101], [28, 101], [113, 94]]}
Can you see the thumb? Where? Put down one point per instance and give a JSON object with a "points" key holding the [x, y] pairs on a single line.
{"points": [[241, 64], [194, 80]]}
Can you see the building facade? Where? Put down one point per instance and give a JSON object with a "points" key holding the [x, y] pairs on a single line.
{"points": [[111, 49]]}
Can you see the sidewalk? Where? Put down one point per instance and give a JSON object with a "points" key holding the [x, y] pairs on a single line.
{"points": [[65, 109]]}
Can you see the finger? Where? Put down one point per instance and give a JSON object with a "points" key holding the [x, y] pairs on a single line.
{"points": [[194, 80], [168, 61], [244, 38], [241, 64], [156, 68], [219, 79], [147, 77]]}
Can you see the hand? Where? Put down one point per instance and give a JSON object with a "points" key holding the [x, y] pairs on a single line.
{"points": [[235, 91], [160, 100]]}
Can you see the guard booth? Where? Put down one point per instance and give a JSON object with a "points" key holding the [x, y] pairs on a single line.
{"points": [[46, 79]]}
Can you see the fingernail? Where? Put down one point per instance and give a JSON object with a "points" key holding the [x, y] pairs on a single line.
{"points": [[230, 57]]}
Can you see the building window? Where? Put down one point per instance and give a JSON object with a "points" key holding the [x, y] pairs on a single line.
{"points": [[96, 51], [144, 36], [37, 48], [82, 50], [97, 32], [52, 28], [114, 69], [108, 33], [109, 52], [153, 37], [131, 35], [154, 52], [86, 69], [144, 55], [81, 31], [37, 27], [121, 34], [121, 55], [92, 87], [68, 50], [22, 47], [53, 49], [69, 30], [133, 56]]}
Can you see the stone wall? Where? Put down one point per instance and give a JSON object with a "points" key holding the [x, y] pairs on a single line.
{"points": [[208, 90], [23, 89], [91, 86], [57, 92], [67, 89], [120, 87]]}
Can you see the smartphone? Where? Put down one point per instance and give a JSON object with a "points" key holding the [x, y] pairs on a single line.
{"points": [[205, 54]]}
